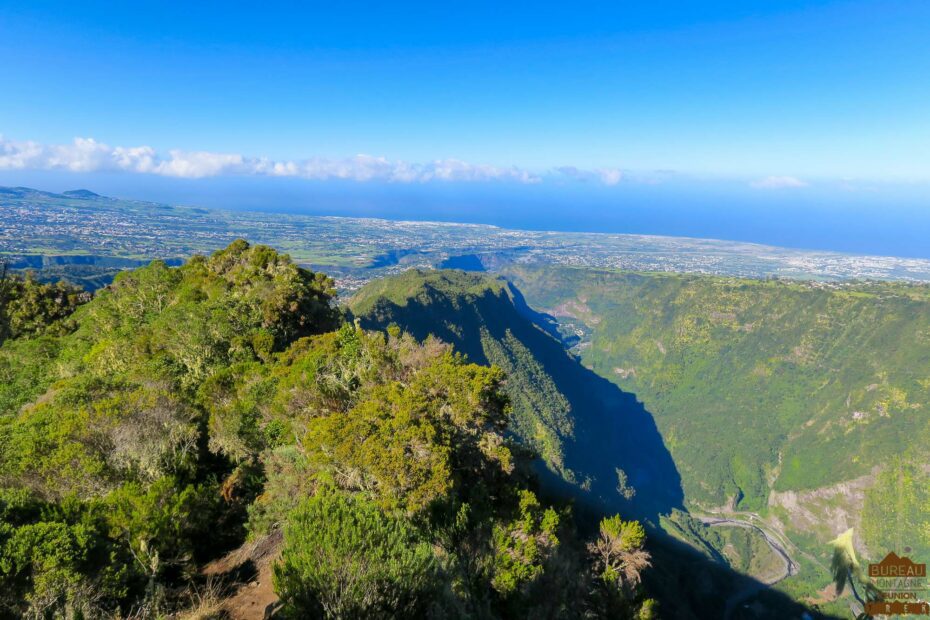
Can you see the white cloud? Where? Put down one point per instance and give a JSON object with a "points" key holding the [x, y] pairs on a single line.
{"points": [[607, 176], [88, 155], [778, 182], [610, 176]]}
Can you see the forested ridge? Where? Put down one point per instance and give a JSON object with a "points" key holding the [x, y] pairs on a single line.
{"points": [[184, 412], [591, 435]]}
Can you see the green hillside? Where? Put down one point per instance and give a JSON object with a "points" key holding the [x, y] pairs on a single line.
{"points": [[197, 435], [804, 402], [462, 309]]}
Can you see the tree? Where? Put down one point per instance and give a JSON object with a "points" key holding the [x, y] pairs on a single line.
{"points": [[435, 433], [619, 554], [28, 306], [521, 548]]}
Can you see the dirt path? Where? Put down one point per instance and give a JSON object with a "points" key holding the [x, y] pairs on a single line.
{"points": [[249, 570]]}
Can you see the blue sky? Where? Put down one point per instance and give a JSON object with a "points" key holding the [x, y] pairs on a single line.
{"points": [[820, 103]]}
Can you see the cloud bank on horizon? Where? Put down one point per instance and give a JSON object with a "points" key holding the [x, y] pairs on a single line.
{"points": [[90, 155], [779, 182]]}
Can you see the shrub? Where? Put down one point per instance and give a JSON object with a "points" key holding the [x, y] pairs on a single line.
{"points": [[523, 546], [344, 558]]}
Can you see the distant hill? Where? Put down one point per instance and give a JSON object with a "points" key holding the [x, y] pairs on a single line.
{"points": [[26, 192], [81, 193], [23, 192]]}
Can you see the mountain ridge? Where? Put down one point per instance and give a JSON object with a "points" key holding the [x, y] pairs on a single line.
{"points": [[582, 413]]}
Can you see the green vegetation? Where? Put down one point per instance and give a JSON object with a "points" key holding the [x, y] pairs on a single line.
{"points": [[771, 395], [29, 307], [896, 514], [183, 411], [108, 491]]}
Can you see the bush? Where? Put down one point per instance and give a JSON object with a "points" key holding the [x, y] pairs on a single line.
{"points": [[344, 558]]}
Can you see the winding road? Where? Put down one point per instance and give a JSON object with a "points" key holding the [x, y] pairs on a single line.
{"points": [[790, 566]]}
